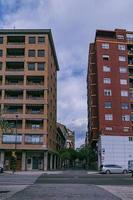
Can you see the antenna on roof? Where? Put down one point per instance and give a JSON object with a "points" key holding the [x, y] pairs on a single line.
{"points": [[14, 27]]}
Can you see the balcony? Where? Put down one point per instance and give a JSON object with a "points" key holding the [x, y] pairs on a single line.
{"points": [[13, 95], [13, 109], [14, 80], [12, 67], [35, 95], [36, 124], [15, 40], [15, 52], [34, 109]]}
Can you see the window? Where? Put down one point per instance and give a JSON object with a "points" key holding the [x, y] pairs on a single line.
{"points": [[106, 69], [129, 37], [123, 81], [41, 53], [124, 106], [108, 128], [105, 46], [105, 57], [130, 139], [107, 92], [120, 37], [124, 93], [107, 80], [34, 139], [0, 65], [122, 47], [125, 117], [12, 138], [107, 105], [32, 40], [1, 53], [125, 129], [108, 117], [1, 40], [35, 126], [31, 53], [31, 66], [122, 58], [123, 70], [41, 66], [41, 39]]}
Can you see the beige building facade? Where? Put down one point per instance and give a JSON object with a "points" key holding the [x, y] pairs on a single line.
{"points": [[28, 89]]}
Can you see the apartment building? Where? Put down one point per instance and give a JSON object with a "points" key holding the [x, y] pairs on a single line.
{"points": [[28, 88], [68, 134], [110, 96]]}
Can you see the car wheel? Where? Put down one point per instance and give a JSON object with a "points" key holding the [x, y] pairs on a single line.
{"points": [[125, 171], [108, 172]]}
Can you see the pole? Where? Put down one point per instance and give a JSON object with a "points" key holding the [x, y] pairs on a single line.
{"points": [[16, 132]]}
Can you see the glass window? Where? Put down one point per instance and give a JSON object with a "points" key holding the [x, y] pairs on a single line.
{"points": [[125, 117], [124, 105], [31, 53], [12, 138], [123, 81], [105, 46], [32, 40], [31, 66], [123, 70], [108, 128], [34, 139], [124, 93], [1, 53], [107, 80], [122, 47], [107, 92], [120, 37], [108, 117], [105, 57], [1, 65], [125, 129], [41, 39], [131, 139], [106, 68], [41, 66], [122, 58], [107, 105], [1, 40], [41, 53]]}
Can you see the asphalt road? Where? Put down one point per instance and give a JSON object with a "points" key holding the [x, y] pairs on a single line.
{"points": [[81, 177], [75, 185]]}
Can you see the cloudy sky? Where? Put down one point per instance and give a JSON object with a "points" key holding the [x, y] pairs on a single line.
{"points": [[73, 24]]}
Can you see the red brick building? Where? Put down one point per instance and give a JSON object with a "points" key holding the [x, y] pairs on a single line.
{"points": [[110, 84]]}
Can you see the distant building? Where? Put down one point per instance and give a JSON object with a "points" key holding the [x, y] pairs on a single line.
{"points": [[61, 139], [70, 139], [69, 136], [110, 96]]}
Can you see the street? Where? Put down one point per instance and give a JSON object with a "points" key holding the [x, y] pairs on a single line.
{"points": [[70, 184]]}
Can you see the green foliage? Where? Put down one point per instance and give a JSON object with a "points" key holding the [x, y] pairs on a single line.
{"points": [[86, 155]]}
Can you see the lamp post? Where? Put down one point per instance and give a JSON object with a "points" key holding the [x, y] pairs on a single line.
{"points": [[16, 123], [14, 155]]}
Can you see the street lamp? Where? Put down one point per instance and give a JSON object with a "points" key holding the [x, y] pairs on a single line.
{"points": [[16, 123]]}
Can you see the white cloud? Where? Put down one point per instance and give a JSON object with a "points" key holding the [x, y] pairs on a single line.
{"points": [[73, 23]]}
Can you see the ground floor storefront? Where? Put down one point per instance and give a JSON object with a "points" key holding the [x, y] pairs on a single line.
{"points": [[30, 160]]}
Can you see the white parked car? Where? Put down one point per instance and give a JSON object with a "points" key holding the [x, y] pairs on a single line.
{"points": [[113, 169], [1, 168]]}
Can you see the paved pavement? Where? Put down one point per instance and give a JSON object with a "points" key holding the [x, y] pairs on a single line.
{"points": [[66, 185]]}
